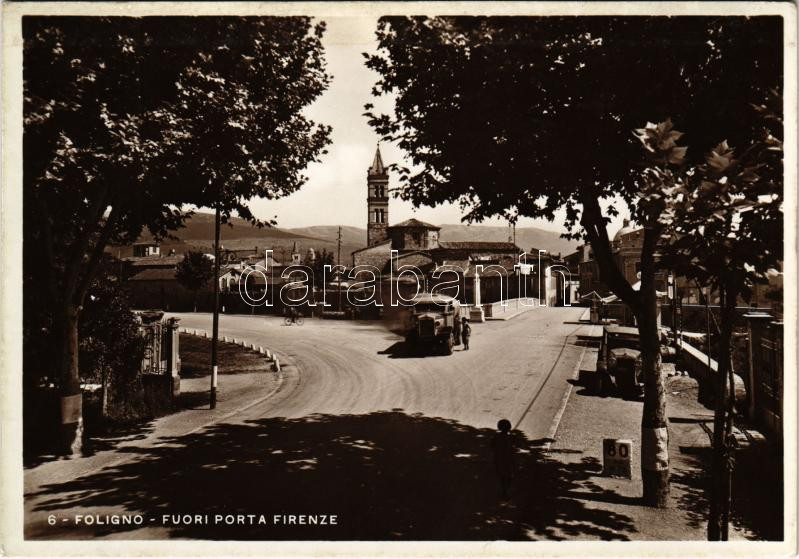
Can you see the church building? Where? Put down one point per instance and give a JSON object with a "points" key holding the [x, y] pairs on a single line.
{"points": [[418, 245]]}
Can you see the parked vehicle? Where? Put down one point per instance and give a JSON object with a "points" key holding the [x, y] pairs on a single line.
{"points": [[435, 320], [620, 358]]}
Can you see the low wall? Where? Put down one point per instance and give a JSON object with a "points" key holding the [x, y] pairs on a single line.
{"points": [[513, 305], [696, 364], [160, 391]]}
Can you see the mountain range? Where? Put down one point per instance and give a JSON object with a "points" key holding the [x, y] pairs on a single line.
{"points": [[199, 234]]}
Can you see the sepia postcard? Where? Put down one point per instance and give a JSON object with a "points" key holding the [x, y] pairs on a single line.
{"points": [[399, 279]]}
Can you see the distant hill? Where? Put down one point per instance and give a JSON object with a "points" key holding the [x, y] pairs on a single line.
{"points": [[199, 234], [201, 227], [526, 237], [349, 235]]}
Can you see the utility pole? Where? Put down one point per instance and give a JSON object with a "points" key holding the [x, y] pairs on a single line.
{"points": [[215, 328], [338, 263]]}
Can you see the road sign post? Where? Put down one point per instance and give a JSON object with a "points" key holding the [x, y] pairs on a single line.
{"points": [[617, 458]]}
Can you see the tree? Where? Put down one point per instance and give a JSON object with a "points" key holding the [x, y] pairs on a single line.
{"points": [[111, 346], [194, 272], [111, 349], [726, 225], [324, 258], [129, 119], [519, 117]]}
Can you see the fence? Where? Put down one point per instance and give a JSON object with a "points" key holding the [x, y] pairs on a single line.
{"points": [[160, 365], [765, 370]]}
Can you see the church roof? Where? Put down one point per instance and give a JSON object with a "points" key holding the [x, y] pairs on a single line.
{"points": [[377, 167], [477, 246], [409, 223]]}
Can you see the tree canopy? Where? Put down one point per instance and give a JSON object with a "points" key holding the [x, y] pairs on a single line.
{"points": [[128, 119], [520, 116], [195, 270], [725, 216], [514, 116]]}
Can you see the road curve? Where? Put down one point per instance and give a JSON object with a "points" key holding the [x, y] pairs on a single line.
{"points": [[346, 367]]}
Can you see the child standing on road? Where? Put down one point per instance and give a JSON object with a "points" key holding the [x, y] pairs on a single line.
{"points": [[466, 332], [502, 446]]}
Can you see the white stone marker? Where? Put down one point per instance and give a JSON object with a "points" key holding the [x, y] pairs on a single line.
{"points": [[617, 457]]}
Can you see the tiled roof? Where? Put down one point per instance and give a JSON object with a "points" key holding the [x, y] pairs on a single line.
{"points": [[479, 246], [151, 261], [386, 242], [415, 223], [419, 258], [153, 274]]}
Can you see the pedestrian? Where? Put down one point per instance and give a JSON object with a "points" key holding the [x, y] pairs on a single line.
{"points": [[466, 332], [502, 445]]}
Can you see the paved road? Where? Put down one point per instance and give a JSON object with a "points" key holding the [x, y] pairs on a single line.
{"points": [[361, 367], [396, 445]]}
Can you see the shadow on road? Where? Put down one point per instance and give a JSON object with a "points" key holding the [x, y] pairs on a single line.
{"points": [[756, 507], [94, 441], [405, 350], [387, 475]]}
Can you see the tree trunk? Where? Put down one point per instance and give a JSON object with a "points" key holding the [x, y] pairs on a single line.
{"points": [[643, 304], [104, 400], [718, 521], [71, 429], [654, 428]]}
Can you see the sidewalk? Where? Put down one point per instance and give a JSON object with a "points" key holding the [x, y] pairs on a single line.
{"points": [[239, 390], [589, 418]]}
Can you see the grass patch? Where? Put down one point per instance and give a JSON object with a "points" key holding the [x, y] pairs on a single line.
{"points": [[195, 358]]}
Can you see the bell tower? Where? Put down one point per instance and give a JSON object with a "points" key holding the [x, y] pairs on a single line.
{"points": [[377, 201]]}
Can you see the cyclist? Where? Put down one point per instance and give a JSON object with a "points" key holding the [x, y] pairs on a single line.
{"points": [[294, 314]]}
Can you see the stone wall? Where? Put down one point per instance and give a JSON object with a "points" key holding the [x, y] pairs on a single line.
{"points": [[704, 370]]}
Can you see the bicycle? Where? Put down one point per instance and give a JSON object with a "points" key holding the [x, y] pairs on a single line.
{"points": [[298, 320]]}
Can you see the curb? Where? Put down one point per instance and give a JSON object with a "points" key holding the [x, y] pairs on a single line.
{"points": [[266, 352], [553, 428]]}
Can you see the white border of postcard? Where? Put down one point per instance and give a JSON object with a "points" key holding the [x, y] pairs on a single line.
{"points": [[11, 487]]}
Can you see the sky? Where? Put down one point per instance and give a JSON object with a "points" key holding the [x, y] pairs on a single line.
{"points": [[335, 193]]}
